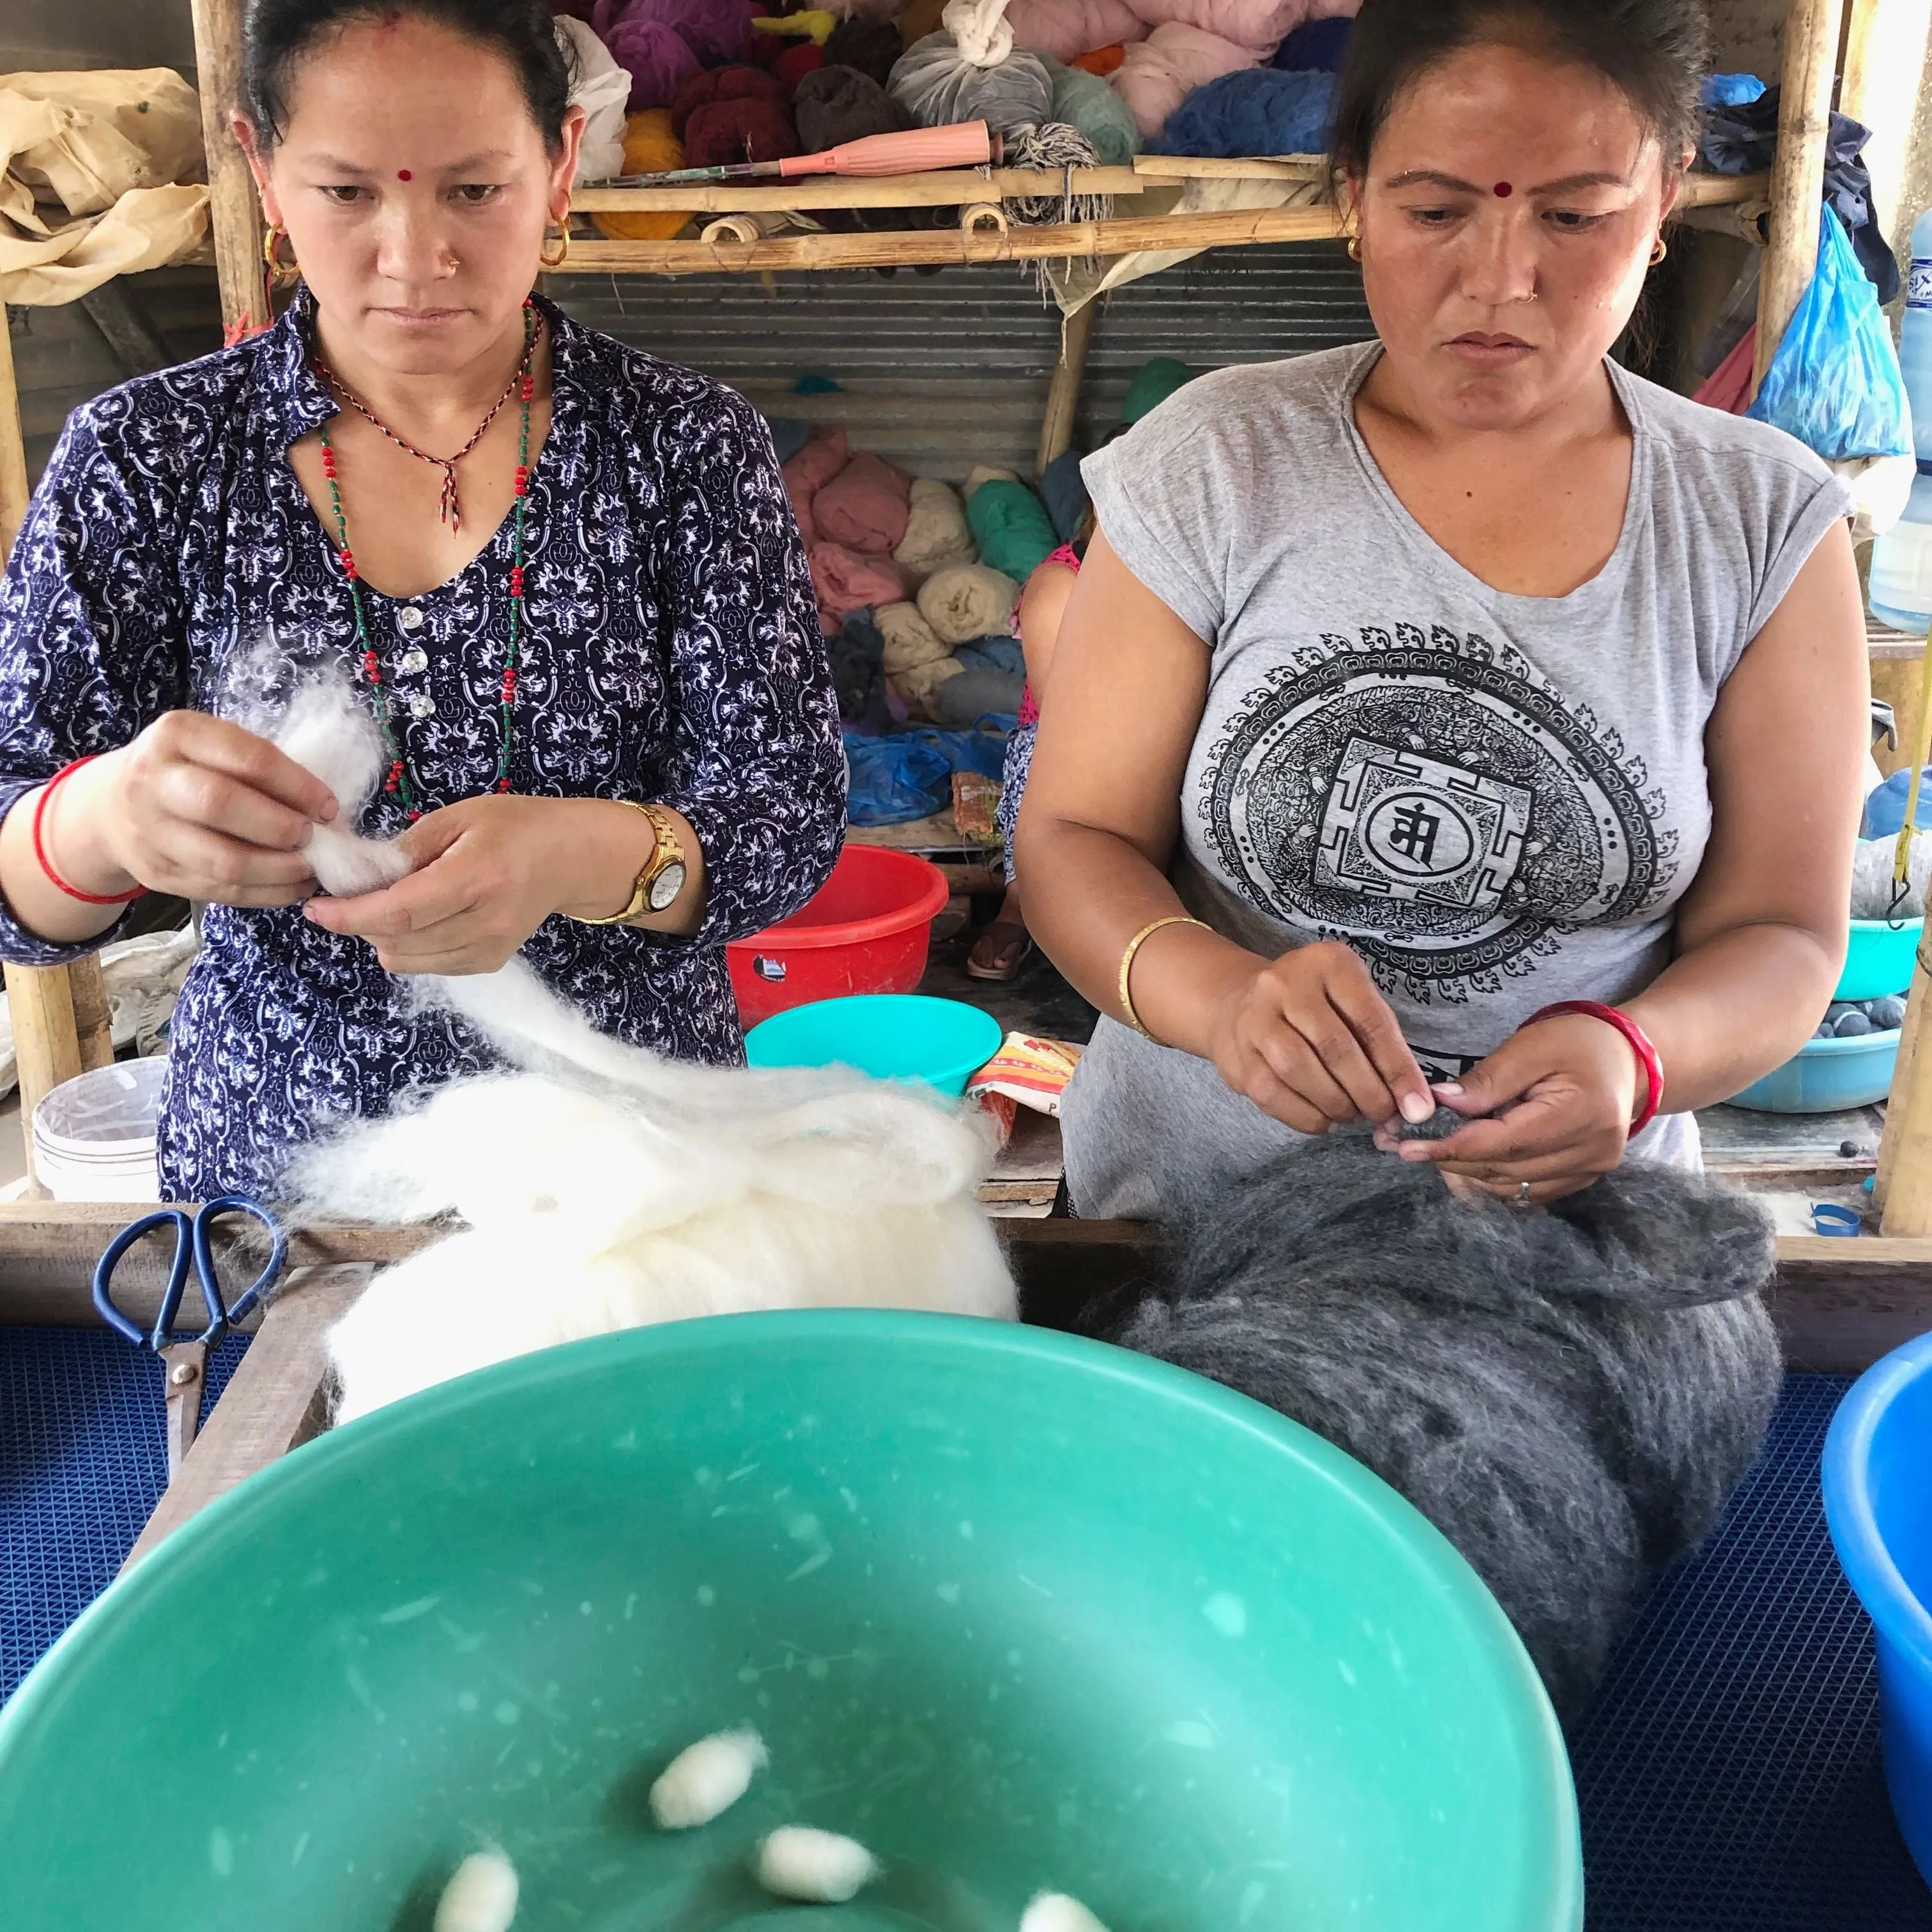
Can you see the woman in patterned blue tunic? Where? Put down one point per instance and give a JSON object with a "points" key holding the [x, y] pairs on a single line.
{"points": [[668, 655]]}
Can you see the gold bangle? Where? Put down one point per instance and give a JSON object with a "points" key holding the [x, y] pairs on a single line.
{"points": [[1134, 946]]}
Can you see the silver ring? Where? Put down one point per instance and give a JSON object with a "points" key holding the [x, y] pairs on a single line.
{"points": [[1521, 1195]]}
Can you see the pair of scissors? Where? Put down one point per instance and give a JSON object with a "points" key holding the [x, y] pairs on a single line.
{"points": [[183, 1358]]}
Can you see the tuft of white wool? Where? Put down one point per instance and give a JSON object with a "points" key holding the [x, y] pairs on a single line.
{"points": [[481, 1898], [1055, 1912], [604, 1188], [815, 1867], [326, 730], [707, 1778]]}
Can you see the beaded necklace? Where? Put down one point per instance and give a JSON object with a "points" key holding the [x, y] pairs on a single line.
{"points": [[396, 782]]}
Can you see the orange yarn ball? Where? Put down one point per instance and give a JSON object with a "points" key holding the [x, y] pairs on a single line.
{"points": [[1102, 61], [649, 148]]}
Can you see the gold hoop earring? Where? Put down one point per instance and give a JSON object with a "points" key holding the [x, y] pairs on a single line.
{"points": [[280, 273], [1355, 247], [1657, 254], [562, 255]]}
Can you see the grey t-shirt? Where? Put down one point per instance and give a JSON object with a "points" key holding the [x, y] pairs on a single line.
{"points": [[1497, 800]]}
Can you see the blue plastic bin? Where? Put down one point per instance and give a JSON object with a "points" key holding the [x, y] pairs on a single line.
{"points": [[1825, 1075], [1878, 1503], [891, 1036], [1878, 959]]}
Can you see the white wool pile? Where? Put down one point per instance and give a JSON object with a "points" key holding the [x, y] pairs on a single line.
{"points": [[815, 1867], [481, 1898], [604, 1188], [706, 1779], [326, 730], [1055, 1912]]}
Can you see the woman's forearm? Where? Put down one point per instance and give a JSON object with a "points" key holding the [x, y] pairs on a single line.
{"points": [[72, 838], [608, 845], [1734, 1006], [1106, 891]]}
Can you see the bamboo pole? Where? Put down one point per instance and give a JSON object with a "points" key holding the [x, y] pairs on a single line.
{"points": [[46, 1043], [1885, 56], [234, 214], [1063, 395], [1057, 241], [13, 491], [1798, 173]]}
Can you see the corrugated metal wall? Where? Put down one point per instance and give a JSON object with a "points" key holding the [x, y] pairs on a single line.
{"points": [[935, 372], [939, 372]]}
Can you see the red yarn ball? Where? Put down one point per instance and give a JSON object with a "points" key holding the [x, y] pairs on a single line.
{"points": [[723, 83], [738, 130], [792, 66]]}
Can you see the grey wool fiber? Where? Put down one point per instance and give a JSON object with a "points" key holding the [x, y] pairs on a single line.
{"points": [[1568, 1394]]}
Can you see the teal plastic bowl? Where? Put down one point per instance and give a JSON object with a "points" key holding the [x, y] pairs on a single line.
{"points": [[1878, 959], [1014, 1609], [1825, 1075], [891, 1036]]}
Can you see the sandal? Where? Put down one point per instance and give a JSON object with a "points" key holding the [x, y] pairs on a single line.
{"points": [[1000, 951]]}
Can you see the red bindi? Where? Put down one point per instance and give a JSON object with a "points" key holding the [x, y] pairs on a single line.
{"points": [[402, 174], [1503, 191]]}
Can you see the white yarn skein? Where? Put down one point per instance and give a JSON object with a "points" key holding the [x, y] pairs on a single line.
{"points": [[707, 1778], [481, 1898], [813, 1867], [327, 732], [1055, 1912]]}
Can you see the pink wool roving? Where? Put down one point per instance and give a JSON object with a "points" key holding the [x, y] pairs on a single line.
{"points": [[846, 581], [808, 472], [1259, 25], [1159, 73], [1068, 29], [865, 506]]}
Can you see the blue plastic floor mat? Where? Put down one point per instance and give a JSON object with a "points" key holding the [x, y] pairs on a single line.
{"points": [[83, 1460], [1729, 1771]]}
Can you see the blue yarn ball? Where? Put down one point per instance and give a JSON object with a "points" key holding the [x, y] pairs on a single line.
{"points": [[1317, 48], [1257, 111]]}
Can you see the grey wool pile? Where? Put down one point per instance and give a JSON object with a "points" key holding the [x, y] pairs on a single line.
{"points": [[1569, 1394]]}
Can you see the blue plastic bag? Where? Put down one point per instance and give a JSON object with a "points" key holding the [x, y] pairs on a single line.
{"points": [[896, 779], [1833, 383]]}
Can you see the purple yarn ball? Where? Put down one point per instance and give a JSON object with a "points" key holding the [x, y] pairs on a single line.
{"points": [[657, 58]]}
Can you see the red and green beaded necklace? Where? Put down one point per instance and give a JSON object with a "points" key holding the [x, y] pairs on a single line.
{"points": [[396, 781]]}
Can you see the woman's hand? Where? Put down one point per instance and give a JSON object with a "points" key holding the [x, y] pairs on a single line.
{"points": [[1568, 1087], [195, 806], [1308, 1039], [488, 872]]}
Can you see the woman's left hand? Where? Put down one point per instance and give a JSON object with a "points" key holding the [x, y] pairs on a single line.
{"points": [[488, 872], [1564, 1089]]}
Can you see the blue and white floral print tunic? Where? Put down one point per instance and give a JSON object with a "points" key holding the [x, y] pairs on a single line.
{"points": [[673, 653]]}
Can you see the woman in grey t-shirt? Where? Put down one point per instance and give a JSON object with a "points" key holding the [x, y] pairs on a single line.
{"points": [[1455, 675]]}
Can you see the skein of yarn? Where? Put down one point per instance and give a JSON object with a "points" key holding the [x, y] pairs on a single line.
{"points": [[793, 65], [866, 506], [1085, 102], [1261, 112], [968, 601], [846, 581], [809, 471], [1568, 1394], [1068, 29], [839, 103], [657, 58], [716, 31], [739, 82], [1157, 74], [871, 46], [739, 129], [970, 71], [1317, 47], [1258, 25], [937, 532], [1010, 524], [650, 148], [910, 641]]}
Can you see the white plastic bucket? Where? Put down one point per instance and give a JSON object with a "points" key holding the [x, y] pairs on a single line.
{"points": [[94, 1135]]}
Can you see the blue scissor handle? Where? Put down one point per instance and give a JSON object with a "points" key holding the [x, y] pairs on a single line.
{"points": [[193, 1242]]}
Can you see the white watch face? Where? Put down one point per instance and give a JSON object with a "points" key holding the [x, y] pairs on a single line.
{"points": [[665, 887]]}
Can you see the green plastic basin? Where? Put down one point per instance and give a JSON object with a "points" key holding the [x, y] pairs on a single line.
{"points": [[1015, 1609]]}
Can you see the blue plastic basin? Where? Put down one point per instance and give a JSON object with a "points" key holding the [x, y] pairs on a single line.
{"points": [[891, 1036], [1825, 1075], [1878, 1502], [1878, 959]]}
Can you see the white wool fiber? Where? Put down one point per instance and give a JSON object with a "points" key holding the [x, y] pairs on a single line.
{"points": [[481, 1898], [816, 1868], [326, 730], [605, 1188], [707, 1778], [1055, 1912]]}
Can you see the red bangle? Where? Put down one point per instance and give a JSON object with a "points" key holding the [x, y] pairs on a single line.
{"points": [[41, 848], [1639, 1044]]}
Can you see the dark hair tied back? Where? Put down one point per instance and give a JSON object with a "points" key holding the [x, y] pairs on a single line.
{"points": [[1655, 51], [278, 33]]}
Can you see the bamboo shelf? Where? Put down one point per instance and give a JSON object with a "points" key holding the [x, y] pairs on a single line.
{"points": [[986, 232]]}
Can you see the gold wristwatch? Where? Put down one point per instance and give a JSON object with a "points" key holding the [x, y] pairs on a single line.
{"points": [[664, 871]]}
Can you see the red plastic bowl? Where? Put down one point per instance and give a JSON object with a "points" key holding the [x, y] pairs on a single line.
{"points": [[866, 931]]}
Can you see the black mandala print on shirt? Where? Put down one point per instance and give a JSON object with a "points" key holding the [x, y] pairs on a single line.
{"points": [[1432, 799]]}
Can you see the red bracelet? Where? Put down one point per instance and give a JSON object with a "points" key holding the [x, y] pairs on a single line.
{"points": [[1640, 1045], [41, 848]]}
